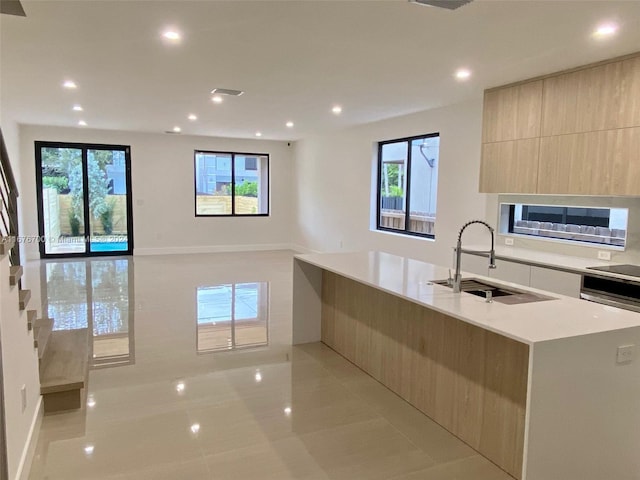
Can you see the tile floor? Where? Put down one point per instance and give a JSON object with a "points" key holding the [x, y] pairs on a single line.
{"points": [[246, 409]]}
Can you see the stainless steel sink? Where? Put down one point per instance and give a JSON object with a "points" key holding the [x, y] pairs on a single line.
{"points": [[500, 294]]}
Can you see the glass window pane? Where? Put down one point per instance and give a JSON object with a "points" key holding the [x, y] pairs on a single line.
{"points": [[424, 185], [213, 183], [63, 200], [251, 184], [107, 200], [393, 185], [606, 226]]}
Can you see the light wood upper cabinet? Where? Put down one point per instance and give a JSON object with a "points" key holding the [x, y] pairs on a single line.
{"points": [[606, 162], [603, 97], [575, 132], [512, 113], [510, 167]]}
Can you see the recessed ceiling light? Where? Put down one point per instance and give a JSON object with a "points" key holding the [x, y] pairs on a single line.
{"points": [[258, 377], [91, 402], [192, 117], [258, 134], [77, 108], [337, 110], [180, 387], [177, 129], [82, 123], [463, 74], [89, 449], [172, 35], [289, 124], [70, 84], [287, 411], [195, 428], [217, 98], [605, 30]]}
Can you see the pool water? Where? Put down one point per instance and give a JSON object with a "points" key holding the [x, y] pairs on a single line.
{"points": [[109, 246]]}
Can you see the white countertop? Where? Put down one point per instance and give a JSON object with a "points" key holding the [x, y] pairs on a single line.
{"points": [[530, 323], [552, 260]]}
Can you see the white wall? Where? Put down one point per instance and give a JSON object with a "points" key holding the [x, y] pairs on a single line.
{"points": [[334, 192], [162, 173], [19, 359]]}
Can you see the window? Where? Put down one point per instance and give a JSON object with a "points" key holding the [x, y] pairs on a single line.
{"points": [[592, 225], [231, 184], [407, 185]]}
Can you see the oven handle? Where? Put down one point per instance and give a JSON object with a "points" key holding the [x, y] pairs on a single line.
{"points": [[612, 303]]}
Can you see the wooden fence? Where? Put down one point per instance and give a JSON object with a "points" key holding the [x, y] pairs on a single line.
{"points": [[418, 222]]}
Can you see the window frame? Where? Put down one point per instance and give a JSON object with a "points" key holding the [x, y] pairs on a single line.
{"points": [[407, 213], [233, 184]]}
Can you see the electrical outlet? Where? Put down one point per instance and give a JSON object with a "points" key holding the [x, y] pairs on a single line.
{"points": [[625, 354], [604, 255], [508, 241], [23, 397]]}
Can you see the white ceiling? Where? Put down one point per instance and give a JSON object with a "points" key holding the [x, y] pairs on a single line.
{"points": [[294, 59]]}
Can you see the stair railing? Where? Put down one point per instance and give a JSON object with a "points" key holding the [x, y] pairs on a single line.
{"points": [[9, 203]]}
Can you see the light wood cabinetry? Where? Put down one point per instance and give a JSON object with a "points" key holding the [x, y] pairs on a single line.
{"points": [[586, 139], [471, 381], [603, 97], [510, 167], [605, 162], [512, 113]]}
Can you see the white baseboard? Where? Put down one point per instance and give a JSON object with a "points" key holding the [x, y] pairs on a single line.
{"points": [[32, 440], [211, 249]]}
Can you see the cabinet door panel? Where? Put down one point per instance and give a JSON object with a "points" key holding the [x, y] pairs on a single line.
{"points": [[555, 281], [512, 113], [597, 98], [594, 163], [510, 167]]}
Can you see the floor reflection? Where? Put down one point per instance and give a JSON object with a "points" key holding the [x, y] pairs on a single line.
{"points": [[232, 316], [93, 294]]}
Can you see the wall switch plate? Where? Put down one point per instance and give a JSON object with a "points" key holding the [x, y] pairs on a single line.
{"points": [[604, 255], [508, 241], [625, 354], [23, 397]]}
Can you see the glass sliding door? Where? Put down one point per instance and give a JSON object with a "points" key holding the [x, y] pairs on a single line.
{"points": [[61, 176], [84, 201], [107, 200]]}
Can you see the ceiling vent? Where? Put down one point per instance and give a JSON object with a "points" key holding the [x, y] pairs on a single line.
{"points": [[226, 91], [12, 7], [448, 4]]}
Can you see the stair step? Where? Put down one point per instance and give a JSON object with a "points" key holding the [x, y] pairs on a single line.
{"points": [[64, 370], [42, 330], [15, 273], [6, 244], [24, 296], [31, 318]]}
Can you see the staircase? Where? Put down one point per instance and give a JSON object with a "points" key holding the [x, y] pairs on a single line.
{"points": [[63, 356]]}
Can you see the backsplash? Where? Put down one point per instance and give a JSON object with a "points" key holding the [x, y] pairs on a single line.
{"points": [[631, 254]]}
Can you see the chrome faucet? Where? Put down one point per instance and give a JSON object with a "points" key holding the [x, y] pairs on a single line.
{"points": [[457, 279]]}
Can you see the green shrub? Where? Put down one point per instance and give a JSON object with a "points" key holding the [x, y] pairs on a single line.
{"points": [[74, 223], [106, 217], [61, 184], [395, 191], [247, 189]]}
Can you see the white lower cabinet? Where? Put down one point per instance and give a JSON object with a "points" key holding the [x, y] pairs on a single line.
{"points": [[512, 272], [556, 281]]}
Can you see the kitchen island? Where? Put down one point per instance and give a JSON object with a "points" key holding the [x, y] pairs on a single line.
{"points": [[541, 389]]}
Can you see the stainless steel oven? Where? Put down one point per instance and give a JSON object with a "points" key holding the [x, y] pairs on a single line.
{"points": [[610, 291]]}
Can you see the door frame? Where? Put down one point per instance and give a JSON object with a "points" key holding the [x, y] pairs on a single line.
{"points": [[84, 147]]}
